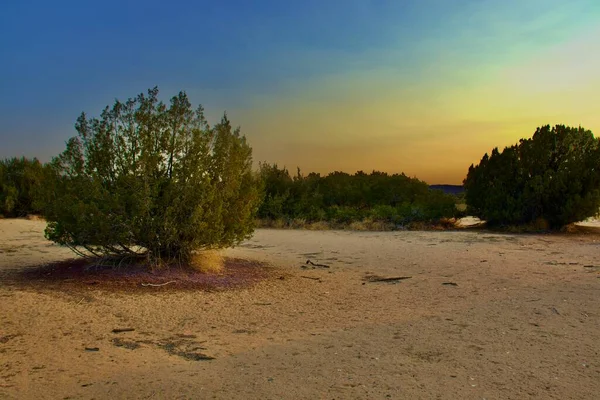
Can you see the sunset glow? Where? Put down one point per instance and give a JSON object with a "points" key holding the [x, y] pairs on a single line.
{"points": [[421, 87]]}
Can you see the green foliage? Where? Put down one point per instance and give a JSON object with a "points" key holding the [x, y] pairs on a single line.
{"points": [[153, 180], [21, 183], [554, 176], [342, 198]]}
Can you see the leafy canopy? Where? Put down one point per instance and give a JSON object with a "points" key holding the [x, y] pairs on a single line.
{"points": [[153, 180], [554, 176]]}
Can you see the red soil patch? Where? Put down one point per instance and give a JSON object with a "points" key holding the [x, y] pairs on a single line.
{"points": [[82, 274]]}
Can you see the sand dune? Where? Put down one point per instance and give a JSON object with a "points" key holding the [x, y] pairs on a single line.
{"points": [[483, 315]]}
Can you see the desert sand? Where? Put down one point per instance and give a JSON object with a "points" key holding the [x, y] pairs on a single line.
{"points": [[480, 315]]}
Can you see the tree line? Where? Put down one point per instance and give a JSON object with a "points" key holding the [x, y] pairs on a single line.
{"points": [[155, 180], [28, 185], [341, 198]]}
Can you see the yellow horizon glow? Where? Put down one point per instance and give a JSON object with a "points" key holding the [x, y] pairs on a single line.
{"points": [[433, 128]]}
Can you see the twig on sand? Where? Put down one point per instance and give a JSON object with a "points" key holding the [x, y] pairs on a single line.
{"points": [[79, 302], [119, 330], [157, 284], [310, 277], [450, 283], [375, 278], [308, 262]]}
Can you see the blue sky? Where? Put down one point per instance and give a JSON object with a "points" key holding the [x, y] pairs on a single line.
{"points": [[324, 85]]}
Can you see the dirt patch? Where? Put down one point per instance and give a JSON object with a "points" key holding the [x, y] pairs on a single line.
{"points": [[83, 274], [482, 316]]}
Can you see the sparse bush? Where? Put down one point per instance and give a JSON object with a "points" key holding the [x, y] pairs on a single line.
{"points": [[554, 176], [147, 179]]}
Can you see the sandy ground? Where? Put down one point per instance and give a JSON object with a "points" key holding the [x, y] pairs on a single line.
{"points": [[483, 316]]}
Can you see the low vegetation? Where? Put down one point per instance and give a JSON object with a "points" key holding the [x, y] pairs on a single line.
{"points": [[371, 201]]}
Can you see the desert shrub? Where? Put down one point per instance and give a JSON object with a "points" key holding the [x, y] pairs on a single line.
{"points": [[147, 179], [554, 177]]}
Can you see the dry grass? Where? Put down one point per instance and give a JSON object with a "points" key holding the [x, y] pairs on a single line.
{"points": [[538, 226], [359, 226], [278, 224], [298, 223], [369, 224], [208, 262], [366, 224], [318, 226]]}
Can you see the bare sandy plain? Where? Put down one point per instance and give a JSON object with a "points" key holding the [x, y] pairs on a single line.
{"points": [[482, 316]]}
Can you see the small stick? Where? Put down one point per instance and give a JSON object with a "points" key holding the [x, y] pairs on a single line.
{"points": [[79, 302], [391, 279], [317, 265], [310, 277], [123, 330], [157, 284]]}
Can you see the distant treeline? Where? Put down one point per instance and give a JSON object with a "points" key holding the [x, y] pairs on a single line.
{"points": [[344, 198], [338, 198], [21, 184]]}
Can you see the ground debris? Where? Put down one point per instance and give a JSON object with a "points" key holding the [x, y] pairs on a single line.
{"points": [[157, 284], [308, 262], [310, 277], [172, 348], [126, 344], [119, 330], [377, 278], [6, 338]]}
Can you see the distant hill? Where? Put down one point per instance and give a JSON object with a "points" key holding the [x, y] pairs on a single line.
{"points": [[450, 189]]}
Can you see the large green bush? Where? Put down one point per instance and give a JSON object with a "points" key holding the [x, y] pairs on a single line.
{"points": [[147, 179], [554, 176]]}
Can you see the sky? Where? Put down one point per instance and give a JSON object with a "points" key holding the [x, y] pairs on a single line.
{"points": [[424, 87]]}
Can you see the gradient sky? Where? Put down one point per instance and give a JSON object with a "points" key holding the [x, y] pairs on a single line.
{"points": [[424, 87]]}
